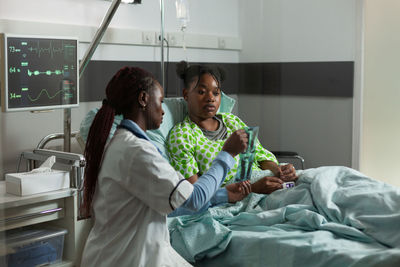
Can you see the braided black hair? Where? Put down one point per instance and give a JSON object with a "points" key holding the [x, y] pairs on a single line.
{"points": [[122, 92]]}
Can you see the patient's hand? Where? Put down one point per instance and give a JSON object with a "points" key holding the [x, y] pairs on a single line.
{"points": [[266, 185], [238, 191], [287, 173]]}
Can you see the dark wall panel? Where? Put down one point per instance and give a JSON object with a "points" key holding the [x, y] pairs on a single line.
{"points": [[299, 79], [293, 78]]}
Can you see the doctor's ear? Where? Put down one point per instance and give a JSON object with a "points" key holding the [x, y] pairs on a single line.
{"points": [[143, 99]]}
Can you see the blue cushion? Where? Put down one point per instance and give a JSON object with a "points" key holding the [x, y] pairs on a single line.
{"points": [[175, 109]]}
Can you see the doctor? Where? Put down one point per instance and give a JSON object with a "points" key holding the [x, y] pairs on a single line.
{"points": [[130, 188]]}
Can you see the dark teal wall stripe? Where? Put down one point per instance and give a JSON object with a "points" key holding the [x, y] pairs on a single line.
{"points": [[299, 79], [329, 79]]}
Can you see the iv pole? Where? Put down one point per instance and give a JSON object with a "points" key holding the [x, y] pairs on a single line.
{"points": [[162, 44], [99, 34], [85, 60], [89, 53]]}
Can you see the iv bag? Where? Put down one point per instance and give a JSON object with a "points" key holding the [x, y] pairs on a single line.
{"points": [[182, 12]]}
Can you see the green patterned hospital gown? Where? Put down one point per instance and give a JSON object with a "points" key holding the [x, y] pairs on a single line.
{"points": [[192, 153]]}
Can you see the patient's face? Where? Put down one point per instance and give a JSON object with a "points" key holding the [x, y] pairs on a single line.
{"points": [[204, 99], [154, 110]]}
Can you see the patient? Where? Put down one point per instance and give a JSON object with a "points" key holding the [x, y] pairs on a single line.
{"points": [[196, 141]]}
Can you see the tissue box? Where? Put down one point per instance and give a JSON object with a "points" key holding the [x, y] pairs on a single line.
{"points": [[26, 183]]}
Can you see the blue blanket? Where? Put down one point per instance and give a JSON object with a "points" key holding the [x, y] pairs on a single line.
{"points": [[335, 216]]}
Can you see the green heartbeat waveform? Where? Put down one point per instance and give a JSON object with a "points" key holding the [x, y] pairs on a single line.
{"points": [[51, 49], [44, 91], [47, 72]]}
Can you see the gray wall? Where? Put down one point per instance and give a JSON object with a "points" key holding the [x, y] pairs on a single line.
{"points": [[318, 127]]}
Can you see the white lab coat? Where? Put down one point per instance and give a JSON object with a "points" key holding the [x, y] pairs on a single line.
{"points": [[135, 191]]}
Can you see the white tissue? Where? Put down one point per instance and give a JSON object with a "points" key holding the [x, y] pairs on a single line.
{"points": [[46, 165], [39, 180]]}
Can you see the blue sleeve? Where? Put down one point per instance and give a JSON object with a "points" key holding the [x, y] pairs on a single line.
{"points": [[220, 197], [205, 190]]}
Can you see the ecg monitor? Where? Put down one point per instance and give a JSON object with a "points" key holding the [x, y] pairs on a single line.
{"points": [[38, 72]]}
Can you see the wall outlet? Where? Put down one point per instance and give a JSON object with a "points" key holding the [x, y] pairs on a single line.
{"points": [[221, 43], [174, 39], [148, 38]]}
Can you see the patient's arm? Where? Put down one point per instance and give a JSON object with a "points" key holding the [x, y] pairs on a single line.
{"points": [[272, 166], [286, 172]]}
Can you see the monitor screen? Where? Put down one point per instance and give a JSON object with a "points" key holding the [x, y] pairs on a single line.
{"points": [[38, 72]]}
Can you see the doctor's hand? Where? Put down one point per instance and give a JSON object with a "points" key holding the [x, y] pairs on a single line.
{"points": [[238, 191], [267, 185], [236, 143], [287, 172]]}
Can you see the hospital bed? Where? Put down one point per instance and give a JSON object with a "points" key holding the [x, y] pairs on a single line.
{"points": [[334, 216], [290, 157]]}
